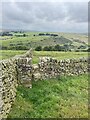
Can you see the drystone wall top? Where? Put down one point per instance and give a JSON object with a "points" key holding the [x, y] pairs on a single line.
{"points": [[50, 59]]}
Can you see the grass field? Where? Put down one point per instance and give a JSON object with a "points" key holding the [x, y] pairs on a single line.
{"points": [[65, 97], [58, 55], [5, 54]]}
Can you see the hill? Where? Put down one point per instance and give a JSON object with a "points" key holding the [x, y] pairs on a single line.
{"points": [[26, 40]]}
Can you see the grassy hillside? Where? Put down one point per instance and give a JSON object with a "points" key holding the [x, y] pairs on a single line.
{"points": [[65, 97], [76, 36], [33, 40]]}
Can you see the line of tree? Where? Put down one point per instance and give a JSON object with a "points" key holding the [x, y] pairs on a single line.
{"points": [[53, 48], [47, 34], [65, 47]]}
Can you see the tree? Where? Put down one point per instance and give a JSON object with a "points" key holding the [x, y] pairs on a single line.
{"points": [[21, 47], [82, 47], [48, 48], [38, 48], [57, 48], [66, 47], [41, 34], [24, 35]]}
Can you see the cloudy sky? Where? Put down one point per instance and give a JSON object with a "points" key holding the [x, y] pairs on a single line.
{"points": [[45, 16]]}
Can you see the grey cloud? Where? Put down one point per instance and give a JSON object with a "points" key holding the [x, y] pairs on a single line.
{"points": [[44, 15], [48, 11], [12, 12], [78, 12]]}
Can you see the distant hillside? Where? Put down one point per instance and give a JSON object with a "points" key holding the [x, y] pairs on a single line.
{"points": [[27, 40]]}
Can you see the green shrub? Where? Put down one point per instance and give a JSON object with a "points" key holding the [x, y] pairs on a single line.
{"points": [[38, 48], [48, 48]]}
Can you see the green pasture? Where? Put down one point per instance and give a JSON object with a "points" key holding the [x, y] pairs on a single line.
{"points": [[5, 54], [57, 55], [63, 97]]}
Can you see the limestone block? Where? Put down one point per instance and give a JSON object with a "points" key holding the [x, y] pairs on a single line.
{"points": [[37, 76]]}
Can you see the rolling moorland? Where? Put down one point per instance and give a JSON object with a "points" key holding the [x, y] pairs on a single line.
{"points": [[52, 98]]}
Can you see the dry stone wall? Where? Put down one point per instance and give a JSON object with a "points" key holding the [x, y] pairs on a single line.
{"points": [[24, 71], [50, 67], [20, 70], [10, 76], [8, 84]]}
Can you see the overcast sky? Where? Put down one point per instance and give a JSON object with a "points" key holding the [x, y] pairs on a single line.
{"points": [[45, 16]]}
